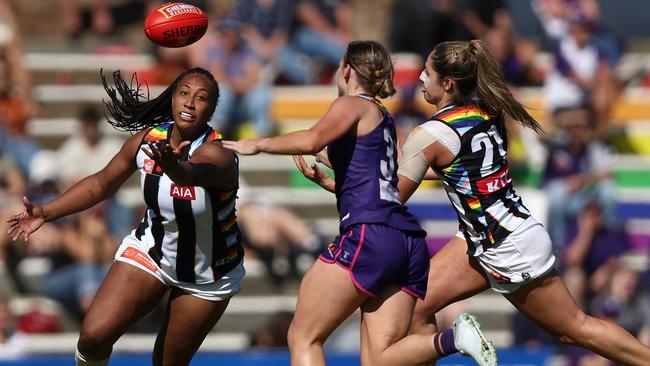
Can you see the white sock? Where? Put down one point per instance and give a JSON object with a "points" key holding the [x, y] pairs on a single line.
{"points": [[80, 360]]}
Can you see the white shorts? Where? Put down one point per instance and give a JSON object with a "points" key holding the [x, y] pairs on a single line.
{"points": [[526, 254], [133, 252]]}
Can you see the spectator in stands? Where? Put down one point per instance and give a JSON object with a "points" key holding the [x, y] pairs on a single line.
{"points": [[481, 16], [97, 150], [13, 344], [273, 333], [622, 302], [629, 301], [583, 68], [324, 29], [43, 184], [265, 28], [245, 95], [104, 18], [12, 181], [169, 63], [279, 238], [16, 103], [435, 21], [90, 246], [88, 142], [407, 115], [18, 81], [12, 186], [592, 251], [516, 57], [578, 169]]}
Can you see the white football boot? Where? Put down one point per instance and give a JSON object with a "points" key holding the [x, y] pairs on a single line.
{"points": [[469, 341]]}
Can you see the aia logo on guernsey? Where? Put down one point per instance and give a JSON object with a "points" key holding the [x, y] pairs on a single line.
{"points": [[180, 192]]}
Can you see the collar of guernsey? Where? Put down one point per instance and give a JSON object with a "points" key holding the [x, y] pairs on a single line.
{"points": [[461, 116], [374, 100], [163, 132]]}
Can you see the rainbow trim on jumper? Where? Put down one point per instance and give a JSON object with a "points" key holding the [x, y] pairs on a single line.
{"points": [[462, 118], [158, 133], [161, 132], [374, 100], [214, 135]]}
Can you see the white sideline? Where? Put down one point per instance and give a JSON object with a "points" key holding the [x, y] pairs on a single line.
{"points": [[66, 343], [86, 61], [485, 303]]}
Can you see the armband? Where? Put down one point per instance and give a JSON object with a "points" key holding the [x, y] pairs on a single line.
{"points": [[413, 164]]}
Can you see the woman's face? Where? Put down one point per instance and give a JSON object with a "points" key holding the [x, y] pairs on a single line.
{"points": [[431, 86], [193, 101]]}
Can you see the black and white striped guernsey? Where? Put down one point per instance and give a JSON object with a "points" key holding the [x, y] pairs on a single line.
{"points": [[191, 231], [478, 180]]}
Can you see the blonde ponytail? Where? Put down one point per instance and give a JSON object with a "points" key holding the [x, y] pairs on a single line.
{"points": [[492, 89]]}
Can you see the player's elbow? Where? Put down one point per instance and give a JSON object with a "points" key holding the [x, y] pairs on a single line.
{"points": [[311, 144]]}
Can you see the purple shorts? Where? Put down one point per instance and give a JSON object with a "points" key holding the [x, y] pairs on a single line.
{"points": [[378, 256]]}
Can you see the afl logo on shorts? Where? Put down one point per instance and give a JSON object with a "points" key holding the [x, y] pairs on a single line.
{"points": [[150, 167], [332, 249], [180, 192]]}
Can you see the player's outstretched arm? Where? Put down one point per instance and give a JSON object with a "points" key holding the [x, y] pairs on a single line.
{"points": [[82, 195], [342, 115], [211, 165]]}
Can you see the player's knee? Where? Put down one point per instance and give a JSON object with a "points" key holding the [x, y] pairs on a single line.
{"points": [[293, 336], [94, 340], [577, 331], [299, 337], [423, 321]]}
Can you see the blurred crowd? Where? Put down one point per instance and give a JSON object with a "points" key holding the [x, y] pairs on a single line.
{"points": [[254, 45]]}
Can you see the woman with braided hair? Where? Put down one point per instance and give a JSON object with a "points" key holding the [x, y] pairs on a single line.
{"points": [[187, 243], [379, 262]]}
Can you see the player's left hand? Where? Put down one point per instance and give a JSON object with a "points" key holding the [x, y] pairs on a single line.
{"points": [[242, 147], [314, 173], [163, 153]]}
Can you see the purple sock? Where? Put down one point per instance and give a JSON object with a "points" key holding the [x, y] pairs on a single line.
{"points": [[443, 343]]}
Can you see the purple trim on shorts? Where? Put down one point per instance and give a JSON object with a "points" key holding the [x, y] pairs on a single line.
{"points": [[322, 257], [359, 246], [412, 293], [354, 259]]}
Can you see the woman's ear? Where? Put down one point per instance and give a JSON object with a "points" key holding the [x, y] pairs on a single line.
{"points": [[347, 71], [447, 85]]}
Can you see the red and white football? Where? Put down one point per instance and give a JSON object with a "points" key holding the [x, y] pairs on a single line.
{"points": [[176, 25]]}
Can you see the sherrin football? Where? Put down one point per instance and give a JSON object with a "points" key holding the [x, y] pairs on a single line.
{"points": [[176, 25]]}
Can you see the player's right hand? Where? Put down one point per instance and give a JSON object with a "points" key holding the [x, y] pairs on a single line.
{"points": [[26, 222]]}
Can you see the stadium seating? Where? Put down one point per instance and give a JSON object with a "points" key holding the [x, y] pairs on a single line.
{"points": [[65, 82]]}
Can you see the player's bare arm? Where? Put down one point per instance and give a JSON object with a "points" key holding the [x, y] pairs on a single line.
{"points": [[339, 120], [97, 187]]}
